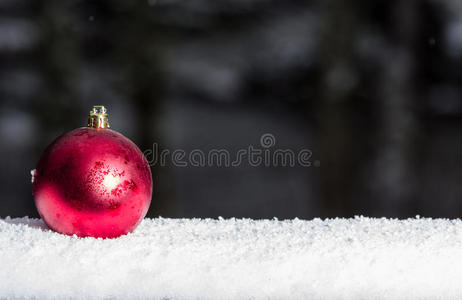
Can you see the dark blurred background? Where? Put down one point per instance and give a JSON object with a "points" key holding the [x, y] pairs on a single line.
{"points": [[373, 88]]}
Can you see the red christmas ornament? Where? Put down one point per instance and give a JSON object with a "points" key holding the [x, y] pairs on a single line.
{"points": [[93, 181]]}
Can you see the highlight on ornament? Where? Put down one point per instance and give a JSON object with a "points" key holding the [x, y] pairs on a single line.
{"points": [[92, 181]]}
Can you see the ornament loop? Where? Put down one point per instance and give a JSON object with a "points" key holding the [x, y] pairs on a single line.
{"points": [[98, 118]]}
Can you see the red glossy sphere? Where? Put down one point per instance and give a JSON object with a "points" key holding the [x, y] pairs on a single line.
{"points": [[92, 182]]}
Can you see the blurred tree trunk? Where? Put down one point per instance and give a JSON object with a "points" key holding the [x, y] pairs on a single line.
{"points": [[394, 171], [139, 51], [336, 130], [368, 168], [57, 60]]}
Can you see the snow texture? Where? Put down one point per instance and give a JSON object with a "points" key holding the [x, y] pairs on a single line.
{"points": [[360, 258]]}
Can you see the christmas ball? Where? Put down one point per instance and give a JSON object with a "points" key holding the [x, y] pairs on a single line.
{"points": [[92, 181]]}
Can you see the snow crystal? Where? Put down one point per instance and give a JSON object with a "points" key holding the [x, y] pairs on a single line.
{"points": [[360, 258]]}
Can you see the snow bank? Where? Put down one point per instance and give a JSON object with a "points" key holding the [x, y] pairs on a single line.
{"points": [[358, 258]]}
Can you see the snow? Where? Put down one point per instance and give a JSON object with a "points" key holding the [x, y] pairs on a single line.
{"points": [[33, 174], [360, 258]]}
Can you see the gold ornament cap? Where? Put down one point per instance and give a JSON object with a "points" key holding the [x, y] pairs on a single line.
{"points": [[98, 118]]}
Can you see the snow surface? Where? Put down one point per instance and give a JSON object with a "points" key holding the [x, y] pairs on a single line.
{"points": [[360, 258]]}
